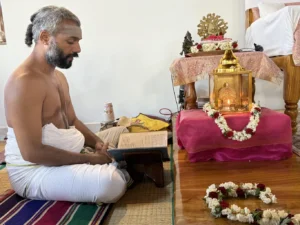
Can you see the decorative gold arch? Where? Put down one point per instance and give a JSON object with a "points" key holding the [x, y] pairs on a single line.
{"points": [[212, 24]]}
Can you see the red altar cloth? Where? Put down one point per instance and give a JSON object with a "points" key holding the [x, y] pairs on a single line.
{"points": [[198, 134]]}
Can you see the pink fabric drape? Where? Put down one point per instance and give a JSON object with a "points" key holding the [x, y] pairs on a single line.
{"points": [[188, 70], [202, 139]]}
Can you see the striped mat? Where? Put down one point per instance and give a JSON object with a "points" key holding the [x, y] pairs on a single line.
{"points": [[15, 210]]}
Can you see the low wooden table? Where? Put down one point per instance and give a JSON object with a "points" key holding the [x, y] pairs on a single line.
{"points": [[146, 163]]}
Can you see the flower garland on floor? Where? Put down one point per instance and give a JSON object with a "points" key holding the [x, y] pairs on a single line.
{"points": [[220, 208], [243, 135]]}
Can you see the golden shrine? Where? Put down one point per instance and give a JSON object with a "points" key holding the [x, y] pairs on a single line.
{"points": [[230, 86]]}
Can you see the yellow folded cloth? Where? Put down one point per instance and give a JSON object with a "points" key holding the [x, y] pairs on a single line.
{"points": [[142, 123]]}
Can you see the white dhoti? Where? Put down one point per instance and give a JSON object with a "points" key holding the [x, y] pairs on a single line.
{"points": [[75, 183]]}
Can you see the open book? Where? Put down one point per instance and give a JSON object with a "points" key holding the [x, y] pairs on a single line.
{"points": [[156, 141]]}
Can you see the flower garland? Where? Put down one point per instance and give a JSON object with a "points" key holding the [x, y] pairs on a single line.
{"points": [[243, 135], [214, 43], [220, 208]]}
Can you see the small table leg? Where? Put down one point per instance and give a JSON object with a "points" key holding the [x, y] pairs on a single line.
{"points": [[253, 89], [190, 96], [146, 163], [155, 172]]}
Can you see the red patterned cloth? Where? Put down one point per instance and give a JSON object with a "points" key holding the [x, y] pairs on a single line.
{"points": [[188, 70], [198, 134]]}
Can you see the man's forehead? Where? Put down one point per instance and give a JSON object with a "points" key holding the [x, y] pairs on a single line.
{"points": [[71, 30]]}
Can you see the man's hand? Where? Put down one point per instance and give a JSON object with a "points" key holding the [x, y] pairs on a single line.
{"points": [[99, 145], [101, 150]]}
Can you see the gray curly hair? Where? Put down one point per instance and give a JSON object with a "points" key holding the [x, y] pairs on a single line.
{"points": [[47, 18]]}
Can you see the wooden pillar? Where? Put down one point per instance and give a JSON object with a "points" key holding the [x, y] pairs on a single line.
{"points": [[291, 87]]}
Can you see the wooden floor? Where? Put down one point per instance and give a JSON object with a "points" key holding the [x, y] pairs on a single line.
{"points": [[192, 180]]}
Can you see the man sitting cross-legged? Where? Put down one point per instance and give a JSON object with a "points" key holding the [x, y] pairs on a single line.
{"points": [[45, 137]]}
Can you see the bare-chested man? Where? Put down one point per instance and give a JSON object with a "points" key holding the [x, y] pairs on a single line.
{"points": [[45, 137]]}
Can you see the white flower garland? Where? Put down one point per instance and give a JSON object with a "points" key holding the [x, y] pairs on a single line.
{"points": [[243, 135], [211, 45], [220, 208]]}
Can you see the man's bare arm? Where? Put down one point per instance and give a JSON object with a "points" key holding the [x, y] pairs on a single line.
{"points": [[24, 106], [90, 138]]}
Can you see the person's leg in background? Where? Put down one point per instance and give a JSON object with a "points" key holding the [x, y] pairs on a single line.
{"points": [[112, 135]]}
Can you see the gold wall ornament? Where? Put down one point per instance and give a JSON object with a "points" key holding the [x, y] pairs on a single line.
{"points": [[230, 86], [212, 24]]}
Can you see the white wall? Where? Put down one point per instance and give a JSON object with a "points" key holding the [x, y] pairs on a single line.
{"points": [[127, 49]]}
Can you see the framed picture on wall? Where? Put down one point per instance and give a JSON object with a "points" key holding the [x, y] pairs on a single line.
{"points": [[2, 31]]}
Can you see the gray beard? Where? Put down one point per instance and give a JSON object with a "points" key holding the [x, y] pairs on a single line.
{"points": [[56, 58]]}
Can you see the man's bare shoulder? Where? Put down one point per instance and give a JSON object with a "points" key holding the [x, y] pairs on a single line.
{"points": [[61, 76], [25, 78]]}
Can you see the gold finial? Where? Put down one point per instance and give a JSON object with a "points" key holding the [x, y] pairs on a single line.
{"points": [[228, 63]]}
